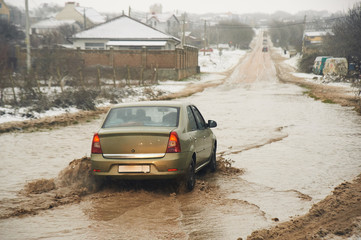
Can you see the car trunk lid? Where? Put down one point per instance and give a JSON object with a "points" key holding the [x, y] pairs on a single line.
{"points": [[143, 142]]}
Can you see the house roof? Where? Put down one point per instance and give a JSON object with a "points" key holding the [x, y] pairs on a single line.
{"points": [[123, 28], [52, 23], [3, 2], [91, 14], [316, 34], [163, 17]]}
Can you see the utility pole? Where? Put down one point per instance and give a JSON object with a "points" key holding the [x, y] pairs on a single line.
{"points": [[303, 37], [217, 35], [205, 37], [84, 15], [183, 30], [27, 40]]}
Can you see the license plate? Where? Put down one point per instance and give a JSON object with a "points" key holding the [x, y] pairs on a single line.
{"points": [[134, 169]]}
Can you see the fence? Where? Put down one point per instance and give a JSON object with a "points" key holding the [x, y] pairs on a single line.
{"points": [[141, 64]]}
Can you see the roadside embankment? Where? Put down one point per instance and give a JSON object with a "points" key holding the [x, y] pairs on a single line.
{"points": [[322, 92], [338, 215]]}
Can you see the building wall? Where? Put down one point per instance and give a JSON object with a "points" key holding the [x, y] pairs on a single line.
{"points": [[4, 11]]}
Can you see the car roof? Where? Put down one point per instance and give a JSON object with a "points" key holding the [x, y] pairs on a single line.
{"points": [[152, 103]]}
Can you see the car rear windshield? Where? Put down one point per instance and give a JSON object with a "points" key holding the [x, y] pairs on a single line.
{"points": [[142, 116]]}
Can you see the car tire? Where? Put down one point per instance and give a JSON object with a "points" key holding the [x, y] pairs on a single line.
{"points": [[190, 178], [213, 160]]}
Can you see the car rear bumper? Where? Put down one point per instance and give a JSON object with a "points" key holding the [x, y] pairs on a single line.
{"points": [[172, 165]]}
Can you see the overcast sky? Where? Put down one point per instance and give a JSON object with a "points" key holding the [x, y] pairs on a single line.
{"points": [[205, 6]]}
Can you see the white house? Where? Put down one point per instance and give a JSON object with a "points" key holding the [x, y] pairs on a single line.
{"points": [[165, 22], [123, 33], [86, 16]]}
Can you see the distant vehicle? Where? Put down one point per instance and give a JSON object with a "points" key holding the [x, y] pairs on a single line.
{"points": [[336, 66], [319, 64], [154, 140], [206, 50], [265, 49]]}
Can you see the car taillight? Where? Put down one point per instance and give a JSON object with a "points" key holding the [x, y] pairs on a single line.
{"points": [[96, 148], [173, 143]]}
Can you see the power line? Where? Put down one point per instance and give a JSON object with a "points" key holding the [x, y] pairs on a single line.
{"points": [[278, 25]]}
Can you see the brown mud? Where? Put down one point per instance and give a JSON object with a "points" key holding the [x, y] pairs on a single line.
{"points": [[73, 182], [77, 181], [339, 214]]}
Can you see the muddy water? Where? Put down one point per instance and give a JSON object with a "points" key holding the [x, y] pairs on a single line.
{"points": [[293, 151]]}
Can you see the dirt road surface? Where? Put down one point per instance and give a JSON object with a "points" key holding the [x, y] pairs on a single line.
{"points": [[279, 153]]}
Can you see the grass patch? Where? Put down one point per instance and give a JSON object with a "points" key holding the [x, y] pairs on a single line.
{"points": [[313, 96], [306, 92], [305, 86]]}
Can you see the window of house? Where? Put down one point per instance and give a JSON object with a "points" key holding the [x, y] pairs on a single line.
{"points": [[94, 45]]}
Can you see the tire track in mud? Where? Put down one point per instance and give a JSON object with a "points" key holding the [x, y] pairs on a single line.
{"points": [[257, 145], [76, 181]]}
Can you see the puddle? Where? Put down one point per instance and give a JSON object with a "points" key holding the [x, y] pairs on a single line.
{"points": [[280, 150]]}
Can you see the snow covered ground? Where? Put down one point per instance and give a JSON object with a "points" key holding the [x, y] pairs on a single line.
{"points": [[217, 61], [210, 62]]}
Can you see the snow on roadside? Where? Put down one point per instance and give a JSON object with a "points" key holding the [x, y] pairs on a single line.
{"points": [[318, 79], [219, 62], [211, 62], [9, 114]]}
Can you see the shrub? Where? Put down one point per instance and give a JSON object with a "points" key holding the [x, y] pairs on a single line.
{"points": [[81, 98], [306, 62]]}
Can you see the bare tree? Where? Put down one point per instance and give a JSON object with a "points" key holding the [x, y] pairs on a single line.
{"points": [[287, 35], [345, 40], [232, 32], [9, 37]]}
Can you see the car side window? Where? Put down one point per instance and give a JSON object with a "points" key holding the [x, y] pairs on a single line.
{"points": [[192, 121], [199, 119]]}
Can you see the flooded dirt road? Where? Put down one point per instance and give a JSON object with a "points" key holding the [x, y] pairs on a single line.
{"points": [[292, 151]]}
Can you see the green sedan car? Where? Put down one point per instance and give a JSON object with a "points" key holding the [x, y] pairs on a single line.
{"points": [[154, 140]]}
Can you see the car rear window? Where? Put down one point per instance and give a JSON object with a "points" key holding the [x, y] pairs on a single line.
{"points": [[156, 116]]}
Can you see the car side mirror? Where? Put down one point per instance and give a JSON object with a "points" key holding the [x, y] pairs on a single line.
{"points": [[212, 124]]}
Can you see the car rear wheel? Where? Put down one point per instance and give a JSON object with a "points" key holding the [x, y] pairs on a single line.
{"points": [[190, 178], [213, 160]]}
